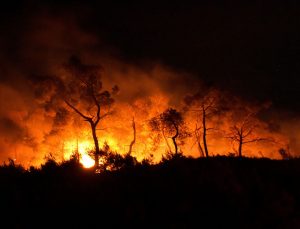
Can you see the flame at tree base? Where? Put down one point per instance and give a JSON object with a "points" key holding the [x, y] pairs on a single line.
{"points": [[86, 161], [82, 148]]}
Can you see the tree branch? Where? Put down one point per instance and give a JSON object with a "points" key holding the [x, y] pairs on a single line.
{"points": [[256, 140], [86, 118], [97, 105]]}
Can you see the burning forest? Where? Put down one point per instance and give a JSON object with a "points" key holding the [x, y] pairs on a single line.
{"points": [[146, 114], [63, 98], [84, 106]]}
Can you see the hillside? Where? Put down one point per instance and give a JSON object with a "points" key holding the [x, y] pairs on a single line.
{"points": [[177, 193]]}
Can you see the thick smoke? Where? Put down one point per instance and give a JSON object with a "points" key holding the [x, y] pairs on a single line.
{"points": [[34, 120]]}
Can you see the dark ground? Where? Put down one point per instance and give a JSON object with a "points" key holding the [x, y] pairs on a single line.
{"points": [[178, 193]]}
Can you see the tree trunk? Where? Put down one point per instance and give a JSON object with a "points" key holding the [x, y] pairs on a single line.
{"points": [[134, 137], [174, 138], [97, 149], [204, 131], [175, 144], [240, 148]]}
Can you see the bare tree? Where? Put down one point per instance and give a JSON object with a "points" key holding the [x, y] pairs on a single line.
{"points": [[206, 106], [170, 124], [86, 97], [243, 132]]}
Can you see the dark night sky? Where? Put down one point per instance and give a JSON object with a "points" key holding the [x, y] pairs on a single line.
{"points": [[252, 49]]}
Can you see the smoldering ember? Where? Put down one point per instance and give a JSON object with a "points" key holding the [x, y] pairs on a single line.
{"points": [[155, 114]]}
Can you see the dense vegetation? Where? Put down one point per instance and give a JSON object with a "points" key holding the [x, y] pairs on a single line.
{"points": [[179, 192]]}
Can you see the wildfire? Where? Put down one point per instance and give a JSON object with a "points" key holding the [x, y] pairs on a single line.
{"points": [[35, 119], [82, 147], [64, 132], [87, 161]]}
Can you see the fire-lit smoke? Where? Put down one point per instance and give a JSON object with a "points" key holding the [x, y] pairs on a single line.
{"points": [[34, 121]]}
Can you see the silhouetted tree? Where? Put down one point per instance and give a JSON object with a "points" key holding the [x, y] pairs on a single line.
{"points": [[171, 124], [206, 105], [86, 97], [243, 132], [134, 137]]}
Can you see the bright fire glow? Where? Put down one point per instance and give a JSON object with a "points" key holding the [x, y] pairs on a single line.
{"points": [[83, 148], [87, 161]]}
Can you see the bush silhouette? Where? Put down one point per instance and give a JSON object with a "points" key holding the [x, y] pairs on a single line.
{"points": [[178, 192]]}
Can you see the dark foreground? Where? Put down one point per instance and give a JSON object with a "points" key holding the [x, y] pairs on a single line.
{"points": [[179, 193]]}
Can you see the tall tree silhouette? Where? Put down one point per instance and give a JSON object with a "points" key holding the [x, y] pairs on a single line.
{"points": [[86, 96], [170, 123], [206, 106], [244, 132]]}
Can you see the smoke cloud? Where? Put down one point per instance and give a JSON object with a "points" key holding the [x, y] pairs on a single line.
{"points": [[34, 120]]}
